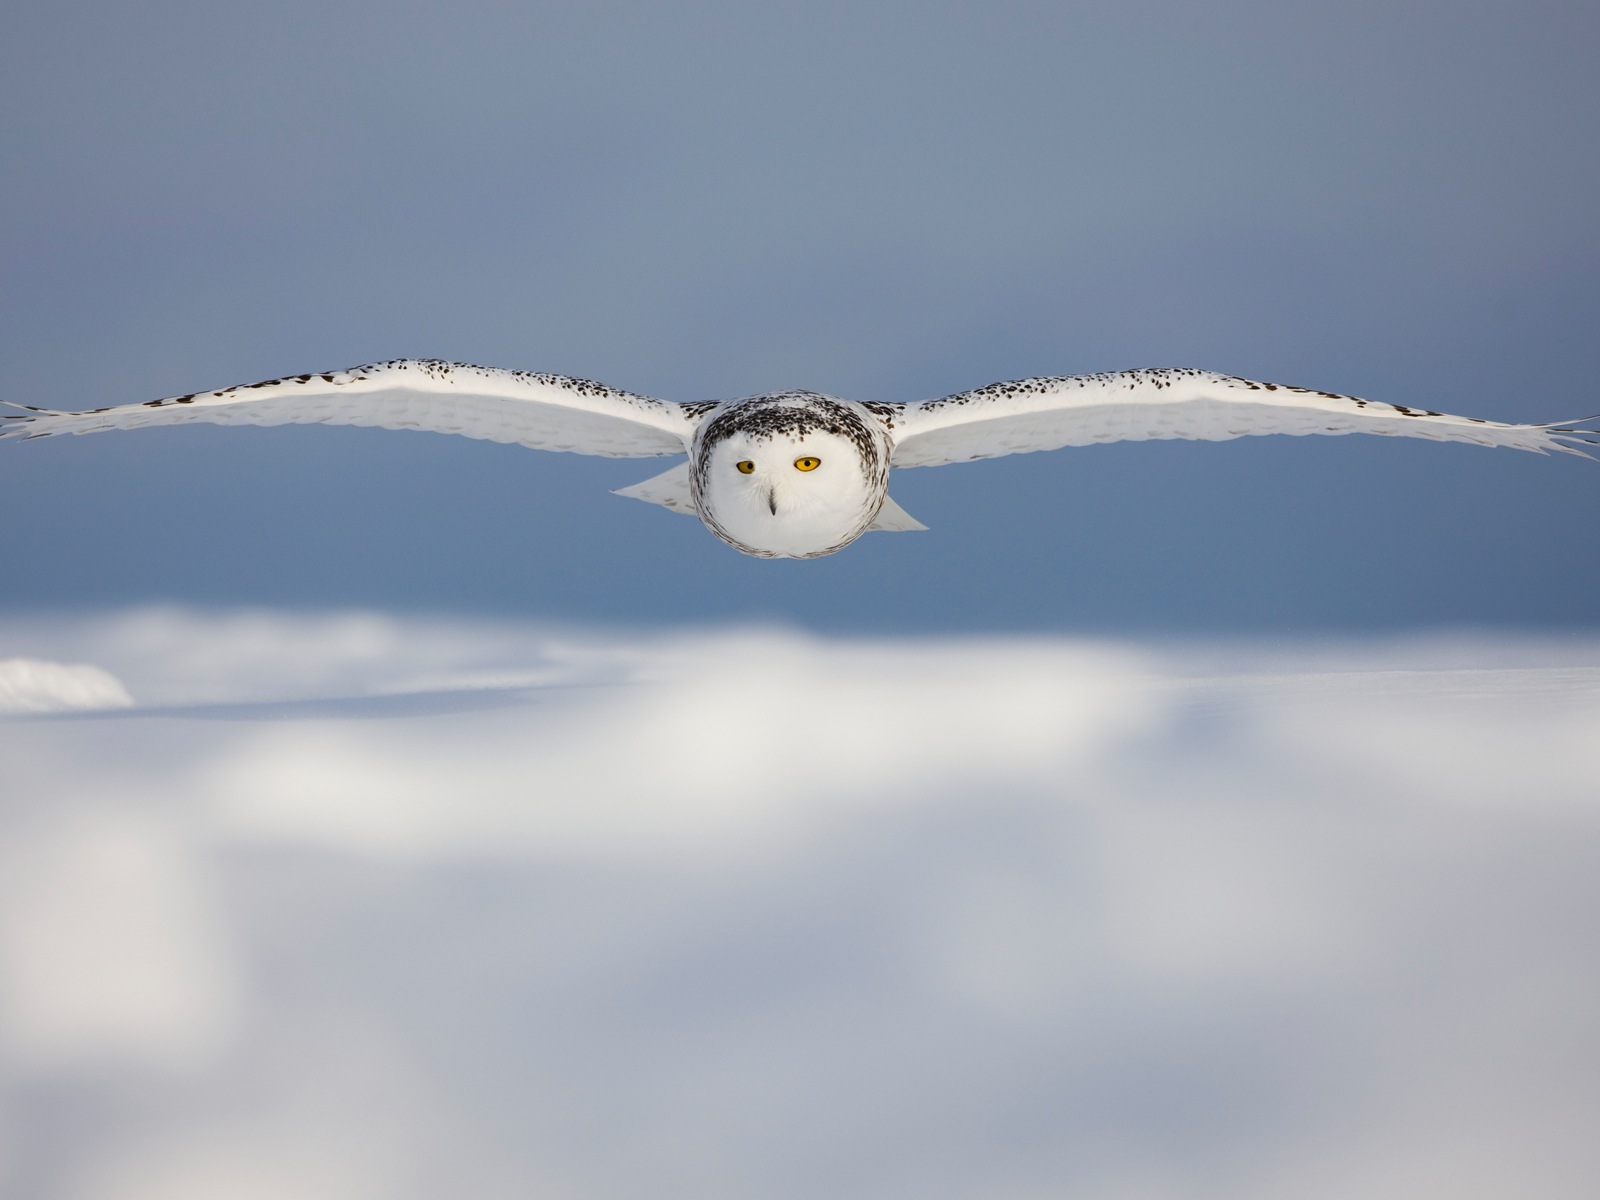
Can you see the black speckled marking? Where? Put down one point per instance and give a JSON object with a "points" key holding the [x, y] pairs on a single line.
{"points": [[794, 414], [884, 412], [1159, 378]]}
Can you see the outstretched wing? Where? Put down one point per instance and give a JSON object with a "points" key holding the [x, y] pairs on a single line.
{"points": [[1080, 410], [546, 412]]}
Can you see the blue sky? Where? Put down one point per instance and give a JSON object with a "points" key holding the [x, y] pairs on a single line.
{"points": [[882, 201]]}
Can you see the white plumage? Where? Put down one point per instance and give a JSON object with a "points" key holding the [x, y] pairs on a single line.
{"points": [[795, 474]]}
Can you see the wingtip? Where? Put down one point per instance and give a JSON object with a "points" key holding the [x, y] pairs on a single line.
{"points": [[1569, 437], [1564, 448]]}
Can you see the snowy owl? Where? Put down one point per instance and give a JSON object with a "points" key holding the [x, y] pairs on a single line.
{"points": [[795, 474]]}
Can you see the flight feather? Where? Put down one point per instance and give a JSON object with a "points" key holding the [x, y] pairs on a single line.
{"points": [[1026, 415], [525, 408]]}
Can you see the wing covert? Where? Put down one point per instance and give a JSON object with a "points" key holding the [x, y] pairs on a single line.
{"points": [[525, 408], [1028, 415]]}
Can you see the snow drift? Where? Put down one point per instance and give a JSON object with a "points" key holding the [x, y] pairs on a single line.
{"points": [[355, 906]]}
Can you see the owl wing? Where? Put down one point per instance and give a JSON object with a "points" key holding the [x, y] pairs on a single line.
{"points": [[1080, 410], [546, 412]]}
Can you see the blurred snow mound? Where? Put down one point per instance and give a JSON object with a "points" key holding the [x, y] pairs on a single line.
{"points": [[709, 744], [35, 685], [176, 657]]}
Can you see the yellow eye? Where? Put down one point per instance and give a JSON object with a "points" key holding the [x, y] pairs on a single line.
{"points": [[746, 467], [807, 464]]}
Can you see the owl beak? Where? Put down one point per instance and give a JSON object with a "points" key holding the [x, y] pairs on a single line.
{"points": [[772, 501]]}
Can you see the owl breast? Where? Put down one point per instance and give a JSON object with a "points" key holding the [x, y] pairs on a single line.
{"points": [[790, 475]]}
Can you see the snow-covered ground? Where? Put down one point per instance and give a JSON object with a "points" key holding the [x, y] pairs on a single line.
{"points": [[353, 906]]}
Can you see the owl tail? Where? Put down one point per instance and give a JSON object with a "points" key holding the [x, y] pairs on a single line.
{"points": [[670, 489], [894, 519]]}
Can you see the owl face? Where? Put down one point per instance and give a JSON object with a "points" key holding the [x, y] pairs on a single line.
{"points": [[780, 479]]}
